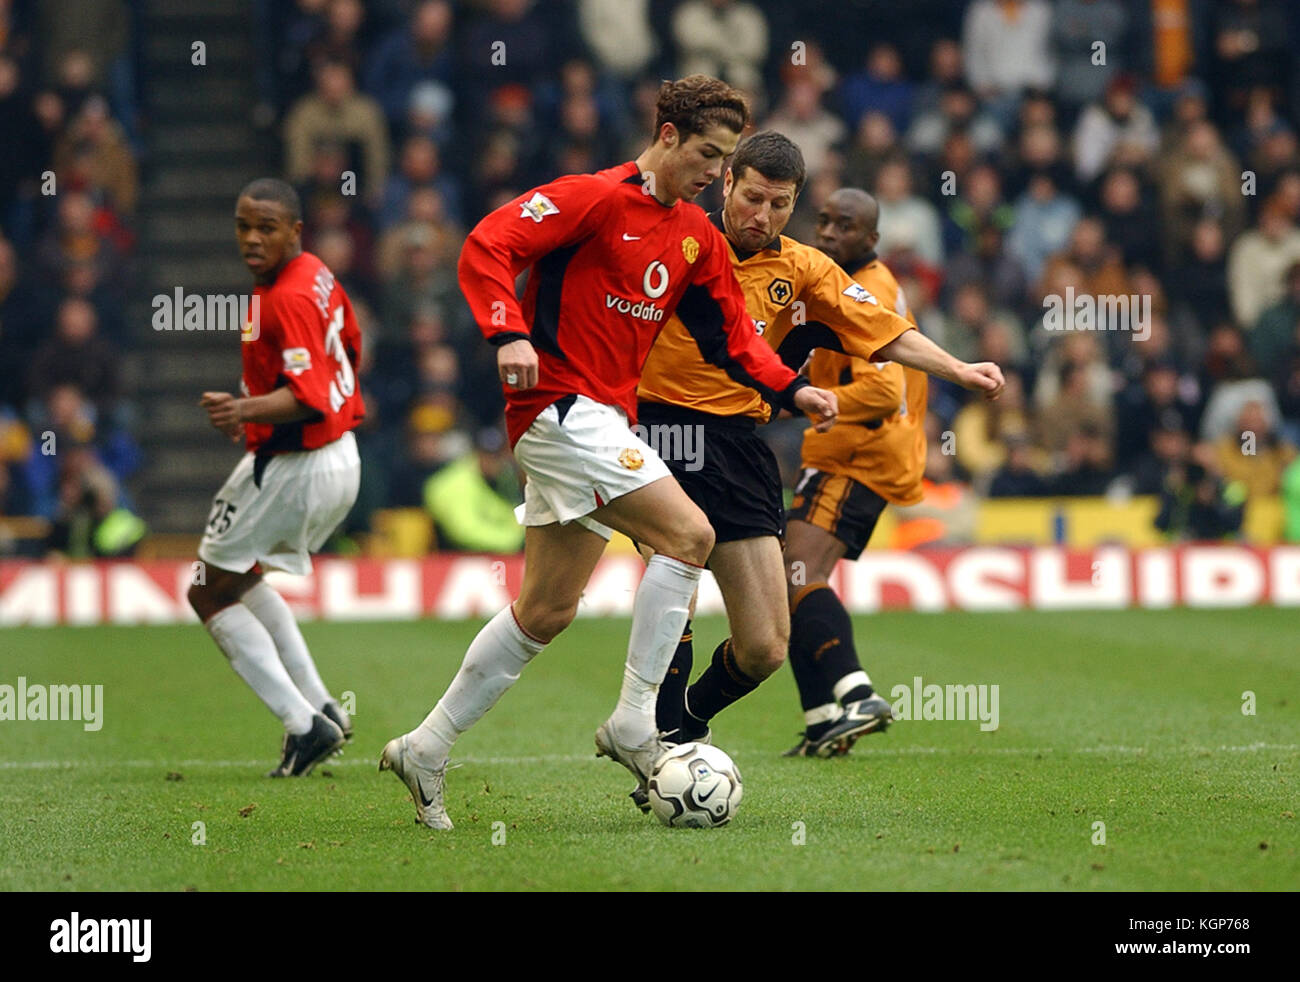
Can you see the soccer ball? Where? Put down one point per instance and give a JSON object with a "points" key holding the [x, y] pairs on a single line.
{"points": [[695, 786]]}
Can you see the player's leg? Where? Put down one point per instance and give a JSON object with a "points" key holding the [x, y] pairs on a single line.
{"points": [[832, 518], [662, 517], [244, 517], [328, 479], [558, 561], [672, 691], [750, 577]]}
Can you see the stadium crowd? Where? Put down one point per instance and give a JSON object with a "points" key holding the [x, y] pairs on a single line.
{"points": [[1025, 154]]}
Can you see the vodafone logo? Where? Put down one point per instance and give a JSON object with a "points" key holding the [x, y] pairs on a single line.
{"points": [[655, 280]]}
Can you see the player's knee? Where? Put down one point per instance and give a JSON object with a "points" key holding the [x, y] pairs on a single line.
{"points": [[694, 541], [761, 659], [545, 620]]}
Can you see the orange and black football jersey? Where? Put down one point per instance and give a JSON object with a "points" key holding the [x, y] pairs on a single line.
{"points": [[799, 299], [879, 438]]}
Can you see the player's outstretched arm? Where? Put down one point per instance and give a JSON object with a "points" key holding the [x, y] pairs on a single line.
{"points": [[915, 350]]}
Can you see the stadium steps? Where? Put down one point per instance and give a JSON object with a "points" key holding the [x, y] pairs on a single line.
{"points": [[202, 148]]}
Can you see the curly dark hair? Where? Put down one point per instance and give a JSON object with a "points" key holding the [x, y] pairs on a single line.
{"points": [[697, 102]]}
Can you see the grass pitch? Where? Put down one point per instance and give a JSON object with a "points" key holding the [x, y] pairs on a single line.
{"points": [[1131, 719]]}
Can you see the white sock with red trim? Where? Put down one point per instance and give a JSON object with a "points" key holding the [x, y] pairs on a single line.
{"points": [[659, 615], [247, 643], [271, 609], [493, 663]]}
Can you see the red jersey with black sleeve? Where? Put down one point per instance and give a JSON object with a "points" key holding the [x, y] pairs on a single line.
{"points": [[303, 334], [608, 265]]}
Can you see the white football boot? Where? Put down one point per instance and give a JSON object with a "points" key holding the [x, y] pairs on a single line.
{"points": [[425, 783]]}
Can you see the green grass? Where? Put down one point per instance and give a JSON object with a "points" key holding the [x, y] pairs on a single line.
{"points": [[1132, 719]]}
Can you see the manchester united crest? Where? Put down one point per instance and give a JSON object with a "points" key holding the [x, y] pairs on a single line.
{"points": [[631, 459], [690, 248]]}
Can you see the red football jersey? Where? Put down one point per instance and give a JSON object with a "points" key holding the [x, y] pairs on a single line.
{"points": [[609, 265], [305, 337]]}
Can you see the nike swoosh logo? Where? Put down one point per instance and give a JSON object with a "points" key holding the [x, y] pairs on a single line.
{"points": [[426, 802], [630, 238], [705, 797]]}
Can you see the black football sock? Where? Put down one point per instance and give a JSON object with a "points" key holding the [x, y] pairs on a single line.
{"points": [[718, 686], [672, 692], [822, 652]]}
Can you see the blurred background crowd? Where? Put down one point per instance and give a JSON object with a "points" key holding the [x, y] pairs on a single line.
{"points": [[1019, 150]]}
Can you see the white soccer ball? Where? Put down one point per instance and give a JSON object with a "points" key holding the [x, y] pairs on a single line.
{"points": [[695, 786]]}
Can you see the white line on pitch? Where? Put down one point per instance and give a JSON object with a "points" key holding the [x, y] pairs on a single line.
{"points": [[34, 765]]}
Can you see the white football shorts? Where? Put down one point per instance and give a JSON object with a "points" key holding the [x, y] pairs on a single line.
{"points": [[577, 466], [302, 498]]}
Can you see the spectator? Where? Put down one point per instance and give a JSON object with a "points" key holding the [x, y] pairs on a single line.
{"points": [[905, 217], [76, 355], [991, 265], [946, 70], [335, 112], [957, 111], [1085, 462], [472, 499], [1199, 286], [1160, 399], [1196, 505], [1253, 455], [726, 39], [619, 34], [1118, 130], [1088, 41], [110, 172], [420, 166], [26, 151], [981, 428], [417, 52], [1006, 49], [512, 43], [1019, 476], [74, 237], [880, 86], [1198, 179], [24, 320], [1044, 219], [1258, 261], [1275, 331], [801, 117], [1252, 46], [1129, 218], [91, 519], [874, 144]]}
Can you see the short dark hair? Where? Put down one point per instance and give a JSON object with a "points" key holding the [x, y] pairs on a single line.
{"points": [[273, 189], [773, 155], [697, 102]]}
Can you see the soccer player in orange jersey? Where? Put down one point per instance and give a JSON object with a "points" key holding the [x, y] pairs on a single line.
{"points": [[875, 454], [799, 299]]}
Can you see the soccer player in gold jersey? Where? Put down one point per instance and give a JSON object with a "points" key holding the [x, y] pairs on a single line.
{"points": [[874, 455], [799, 299]]}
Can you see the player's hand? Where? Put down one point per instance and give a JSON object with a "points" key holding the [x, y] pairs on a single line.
{"points": [[517, 364], [982, 376], [820, 404], [223, 413]]}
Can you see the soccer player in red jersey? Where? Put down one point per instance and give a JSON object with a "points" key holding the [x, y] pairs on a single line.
{"points": [[299, 478], [610, 256]]}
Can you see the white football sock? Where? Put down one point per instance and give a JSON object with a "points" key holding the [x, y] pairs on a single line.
{"points": [[493, 663], [271, 609], [242, 639], [659, 614], [850, 682], [821, 714]]}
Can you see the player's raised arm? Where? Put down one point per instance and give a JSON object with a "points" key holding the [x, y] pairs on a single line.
{"points": [[915, 350]]}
